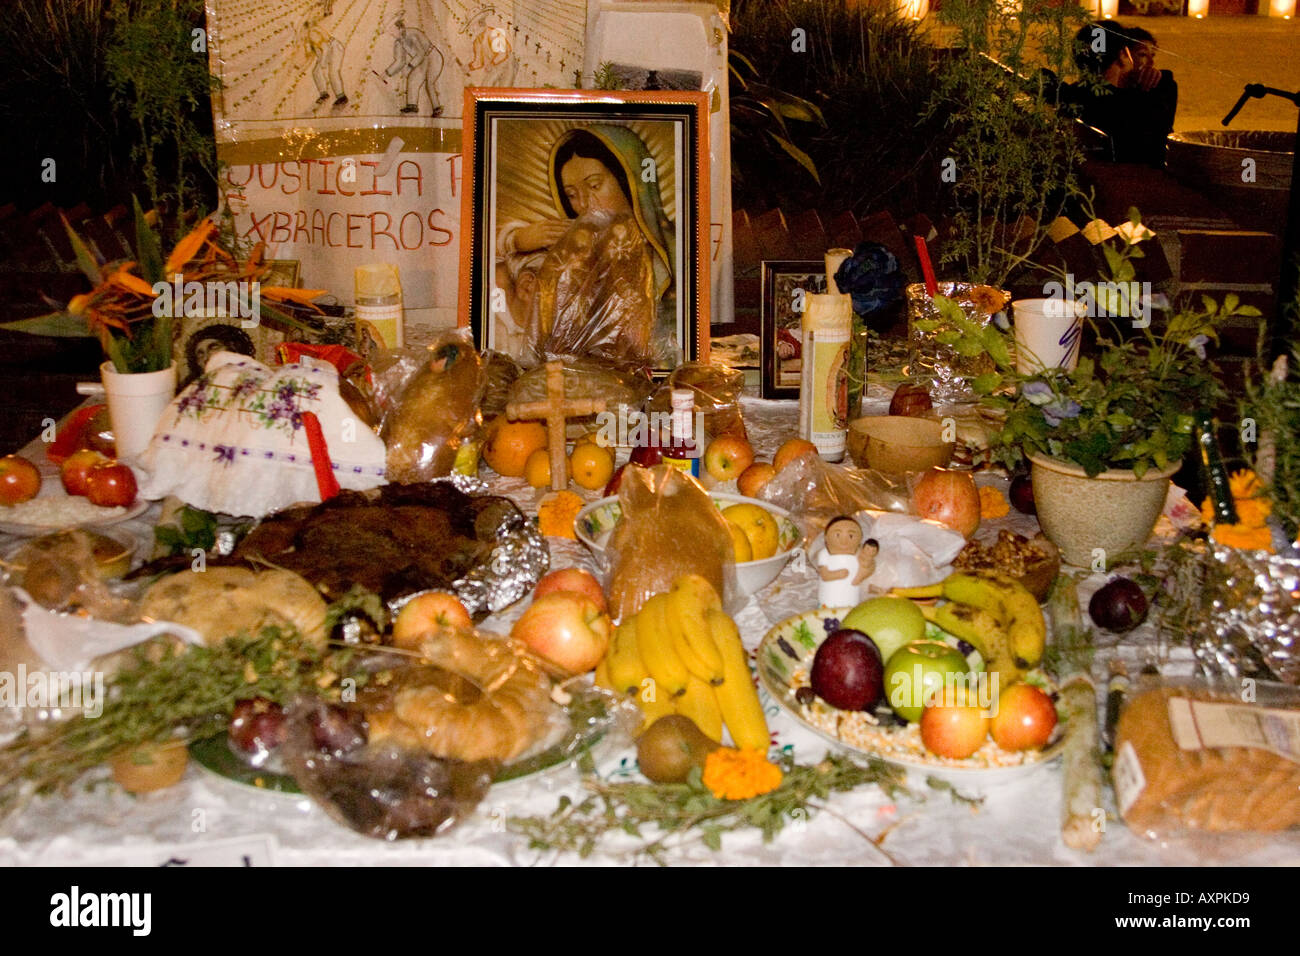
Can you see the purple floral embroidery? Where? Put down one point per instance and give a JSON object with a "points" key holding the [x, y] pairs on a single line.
{"points": [[225, 454]]}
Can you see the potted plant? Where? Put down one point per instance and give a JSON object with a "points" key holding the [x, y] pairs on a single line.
{"points": [[1103, 439], [121, 310]]}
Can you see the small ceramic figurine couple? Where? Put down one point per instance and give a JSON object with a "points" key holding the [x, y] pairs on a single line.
{"points": [[844, 562]]}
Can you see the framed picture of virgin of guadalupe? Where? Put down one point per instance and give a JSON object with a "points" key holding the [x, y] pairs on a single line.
{"points": [[584, 224]]}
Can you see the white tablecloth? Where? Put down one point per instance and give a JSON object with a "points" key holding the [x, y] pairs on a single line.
{"points": [[1016, 823]]}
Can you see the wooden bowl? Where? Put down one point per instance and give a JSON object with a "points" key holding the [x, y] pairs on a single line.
{"points": [[896, 444]]}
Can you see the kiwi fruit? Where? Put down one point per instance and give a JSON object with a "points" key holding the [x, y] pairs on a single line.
{"points": [[668, 749]]}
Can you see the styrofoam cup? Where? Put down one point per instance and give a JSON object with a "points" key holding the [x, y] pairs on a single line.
{"points": [[1047, 333]]}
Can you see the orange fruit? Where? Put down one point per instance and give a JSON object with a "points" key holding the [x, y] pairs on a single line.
{"points": [[537, 470], [510, 443], [591, 465]]}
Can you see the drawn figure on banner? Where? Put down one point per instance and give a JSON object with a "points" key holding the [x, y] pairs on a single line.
{"points": [[325, 53], [419, 63], [604, 282], [491, 48]]}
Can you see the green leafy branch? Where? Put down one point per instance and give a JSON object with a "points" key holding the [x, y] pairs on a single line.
{"points": [[688, 812]]}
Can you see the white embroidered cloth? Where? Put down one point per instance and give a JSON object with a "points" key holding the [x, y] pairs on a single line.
{"points": [[233, 440]]}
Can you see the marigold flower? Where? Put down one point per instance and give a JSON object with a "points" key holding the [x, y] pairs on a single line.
{"points": [[732, 774], [1246, 539], [1245, 484], [993, 503], [988, 299], [1253, 512]]}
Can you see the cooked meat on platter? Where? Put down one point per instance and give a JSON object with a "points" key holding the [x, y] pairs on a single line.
{"points": [[394, 540]]}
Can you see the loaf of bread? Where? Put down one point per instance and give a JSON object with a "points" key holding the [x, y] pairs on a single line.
{"points": [[1162, 787], [669, 528]]}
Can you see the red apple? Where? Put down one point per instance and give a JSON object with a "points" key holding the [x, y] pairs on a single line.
{"points": [[75, 471], [572, 580], [1025, 718], [566, 629], [110, 484], [753, 479], [727, 456], [955, 729], [949, 497], [19, 480], [427, 612], [847, 671]]}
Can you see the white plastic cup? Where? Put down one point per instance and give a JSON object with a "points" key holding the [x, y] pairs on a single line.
{"points": [[1047, 333], [136, 403]]}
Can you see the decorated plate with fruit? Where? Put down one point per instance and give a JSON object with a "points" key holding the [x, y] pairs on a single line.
{"points": [[241, 756], [91, 491], [858, 694]]}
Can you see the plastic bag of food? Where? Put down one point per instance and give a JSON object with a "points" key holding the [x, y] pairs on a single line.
{"points": [[605, 289], [69, 571], [586, 378], [500, 372], [815, 491], [716, 389], [1193, 755], [429, 399], [428, 736], [669, 526]]}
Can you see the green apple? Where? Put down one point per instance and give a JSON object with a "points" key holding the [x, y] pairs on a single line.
{"points": [[889, 621], [917, 670]]}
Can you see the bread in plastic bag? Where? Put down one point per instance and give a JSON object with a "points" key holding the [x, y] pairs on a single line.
{"points": [[1182, 759], [815, 491], [500, 373], [430, 404], [586, 378], [669, 526], [716, 390], [601, 292], [428, 736]]}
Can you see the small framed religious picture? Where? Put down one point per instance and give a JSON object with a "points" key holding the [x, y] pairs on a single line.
{"points": [[584, 224], [785, 282]]}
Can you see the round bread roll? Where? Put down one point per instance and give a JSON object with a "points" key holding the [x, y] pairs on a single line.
{"points": [[506, 712], [222, 602]]}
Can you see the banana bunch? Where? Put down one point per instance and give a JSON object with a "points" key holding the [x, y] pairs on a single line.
{"points": [[682, 654], [994, 613]]}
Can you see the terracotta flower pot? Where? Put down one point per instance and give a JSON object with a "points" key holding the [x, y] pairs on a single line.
{"points": [[1110, 513]]}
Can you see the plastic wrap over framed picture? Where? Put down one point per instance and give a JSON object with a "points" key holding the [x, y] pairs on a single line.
{"points": [[585, 224]]}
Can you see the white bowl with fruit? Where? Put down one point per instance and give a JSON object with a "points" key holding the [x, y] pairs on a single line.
{"points": [[757, 527], [830, 694]]}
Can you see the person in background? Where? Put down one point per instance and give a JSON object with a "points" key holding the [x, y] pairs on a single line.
{"points": [[1123, 94]]}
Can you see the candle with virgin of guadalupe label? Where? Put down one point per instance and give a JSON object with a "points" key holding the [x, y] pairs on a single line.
{"points": [[824, 387], [378, 298]]}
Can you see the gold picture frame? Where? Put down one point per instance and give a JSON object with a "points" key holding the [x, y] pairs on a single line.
{"points": [[519, 191]]}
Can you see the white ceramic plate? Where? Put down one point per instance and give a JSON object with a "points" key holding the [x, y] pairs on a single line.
{"points": [[32, 530], [791, 645]]}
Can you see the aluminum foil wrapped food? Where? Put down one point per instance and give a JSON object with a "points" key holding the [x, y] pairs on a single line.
{"points": [[1252, 602], [948, 373], [401, 539]]}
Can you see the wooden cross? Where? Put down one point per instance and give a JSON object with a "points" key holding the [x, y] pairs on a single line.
{"points": [[555, 410]]}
